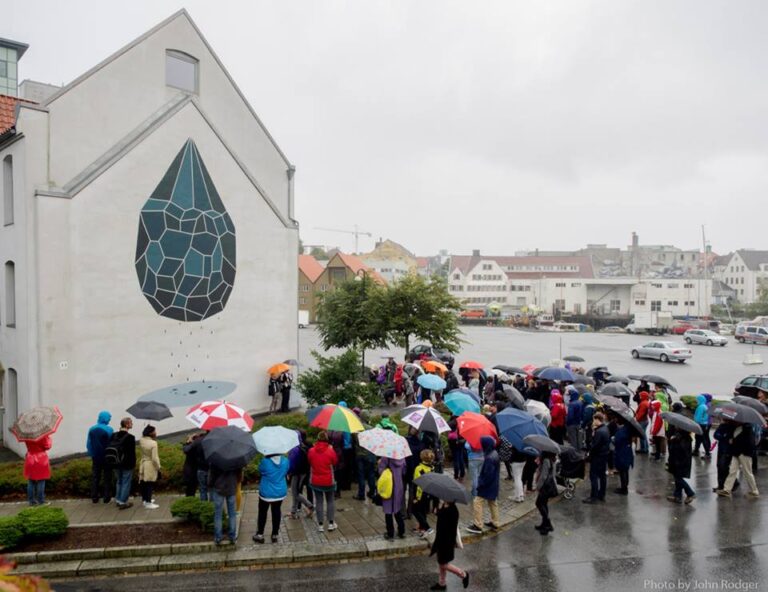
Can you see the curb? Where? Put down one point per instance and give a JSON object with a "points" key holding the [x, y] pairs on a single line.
{"points": [[198, 556]]}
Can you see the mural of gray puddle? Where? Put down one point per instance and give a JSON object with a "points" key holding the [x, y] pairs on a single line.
{"points": [[187, 394]]}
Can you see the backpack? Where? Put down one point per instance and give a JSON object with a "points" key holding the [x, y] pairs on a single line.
{"points": [[114, 456], [384, 485]]}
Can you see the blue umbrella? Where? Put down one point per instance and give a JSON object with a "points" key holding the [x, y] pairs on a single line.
{"points": [[275, 440], [562, 374], [466, 391], [458, 403], [515, 425], [431, 381]]}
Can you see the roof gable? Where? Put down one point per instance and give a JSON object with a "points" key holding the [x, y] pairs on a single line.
{"points": [[753, 259], [8, 111], [310, 267]]}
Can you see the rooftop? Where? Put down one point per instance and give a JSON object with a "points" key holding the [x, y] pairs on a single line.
{"points": [[8, 112]]}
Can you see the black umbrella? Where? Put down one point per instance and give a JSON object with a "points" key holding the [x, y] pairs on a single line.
{"points": [[591, 371], [574, 359], [616, 389], [617, 378], [580, 388], [509, 369], [443, 487], [634, 377], [513, 396], [542, 443], [629, 417], [581, 379], [739, 414], [613, 403], [761, 408], [229, 448], [150, 410], [292, 362], [682, 422], [657, 380]]}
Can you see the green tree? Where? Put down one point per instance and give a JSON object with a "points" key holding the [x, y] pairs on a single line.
{"points": [[337, 378], [424, 309], [319, 254], [351, 316]]}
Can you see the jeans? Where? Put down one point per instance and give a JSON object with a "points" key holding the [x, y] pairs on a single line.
{"points": [[218, 510], [123, 478], [330, 502], [680, 486], [475, 464], [101, 481], [389, 521], [459, 462], [202, 482], [298, 500], [365, 475], [274, 509], [36, 492], [597, 477]]}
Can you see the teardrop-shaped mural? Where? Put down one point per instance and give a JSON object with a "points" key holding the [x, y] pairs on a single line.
{"points": [[185, 254]]}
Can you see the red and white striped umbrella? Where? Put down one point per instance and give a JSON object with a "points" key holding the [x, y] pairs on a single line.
{"points": [[217, 414]]}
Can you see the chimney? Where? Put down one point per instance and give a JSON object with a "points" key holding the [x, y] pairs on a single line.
{"points": [[635, 240], [475, 252]]}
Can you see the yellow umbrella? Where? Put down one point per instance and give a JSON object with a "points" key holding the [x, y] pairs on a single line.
{"points": [[278, 369]]}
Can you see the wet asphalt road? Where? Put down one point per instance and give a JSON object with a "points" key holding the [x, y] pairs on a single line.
{"points": [[637, 542]]}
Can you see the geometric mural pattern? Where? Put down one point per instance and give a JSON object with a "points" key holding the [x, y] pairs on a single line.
{"points": [[185, 252]]}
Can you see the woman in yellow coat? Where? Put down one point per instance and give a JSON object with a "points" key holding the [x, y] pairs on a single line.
{"points": [[149, 467]]}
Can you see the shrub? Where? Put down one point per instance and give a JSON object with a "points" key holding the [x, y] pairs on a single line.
{"points": [[194, 510], [12, 479], [43, 522], [206, 516], [71, 478], [11, 531], [338, 378]]}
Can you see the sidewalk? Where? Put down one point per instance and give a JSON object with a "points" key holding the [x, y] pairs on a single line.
{"points": [[360, 535]]}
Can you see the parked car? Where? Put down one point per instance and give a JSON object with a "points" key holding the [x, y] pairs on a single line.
{"points": [[750, 385], [443, 355], [680, 327], [614, 329], [663, 351], [751, 334], [705, 337], [726, 329]]}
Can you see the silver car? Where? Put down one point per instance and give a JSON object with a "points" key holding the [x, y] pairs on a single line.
{"points": [[705, 337], [664, 351]]}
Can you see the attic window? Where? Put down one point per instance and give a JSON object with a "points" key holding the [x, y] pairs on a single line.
{"points": [[181, 70]]}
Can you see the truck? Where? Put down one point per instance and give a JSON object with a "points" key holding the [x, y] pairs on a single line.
{"points": [[651, 323], [303, 319]]}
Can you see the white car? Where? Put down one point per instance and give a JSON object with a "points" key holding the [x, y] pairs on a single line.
{"points": [[664, 351], [704, 336]]}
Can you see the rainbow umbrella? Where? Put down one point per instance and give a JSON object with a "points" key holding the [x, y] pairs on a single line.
{"points": [[335, 418]]}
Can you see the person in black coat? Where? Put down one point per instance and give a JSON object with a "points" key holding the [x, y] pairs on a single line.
{"points": [[599, 450], [189, 472], [679, 462], [445, 544]]}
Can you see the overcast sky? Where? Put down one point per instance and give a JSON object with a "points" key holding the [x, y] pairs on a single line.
{"points": [[498, 126]]}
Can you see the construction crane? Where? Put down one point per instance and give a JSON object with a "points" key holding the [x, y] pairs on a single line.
{"points": [[356, 232]]}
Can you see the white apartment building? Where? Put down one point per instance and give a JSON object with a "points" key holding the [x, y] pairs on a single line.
{"points": [[148, 241], [744, 273]]}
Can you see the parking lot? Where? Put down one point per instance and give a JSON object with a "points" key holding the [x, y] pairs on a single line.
{"points": [[711, 369]]}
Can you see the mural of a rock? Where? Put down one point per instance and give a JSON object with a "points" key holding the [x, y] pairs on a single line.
{"points": [[185, 253]]}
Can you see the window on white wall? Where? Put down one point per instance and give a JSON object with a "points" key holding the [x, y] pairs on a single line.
{"points": [[181, 70], [11, 399], [8, 190], [10, 294]]}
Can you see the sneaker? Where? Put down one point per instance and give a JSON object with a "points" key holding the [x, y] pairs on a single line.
{"points": [[674, 500], [465, 579], [492, 526], [589, 500], [109, 499], [474, 529], [274, 538], [150, 506], [332, 526], [258, 538], [690, 499], [320, 528], [753, 494], [124, 506], [723, 493], [217, 542], [232, 541]]}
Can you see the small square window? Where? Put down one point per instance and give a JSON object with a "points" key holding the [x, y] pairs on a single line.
{"points": [[181, 70]]}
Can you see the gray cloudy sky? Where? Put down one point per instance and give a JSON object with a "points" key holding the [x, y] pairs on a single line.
{"points": [[494, 125]]}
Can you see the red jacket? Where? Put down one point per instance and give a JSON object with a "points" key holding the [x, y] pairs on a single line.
{"points": [[36, 464], [642, 409], [322, 458], [557, 411]]}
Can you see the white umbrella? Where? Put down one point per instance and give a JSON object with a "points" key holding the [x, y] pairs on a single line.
{"points": [[425, 419], [539, 410]]}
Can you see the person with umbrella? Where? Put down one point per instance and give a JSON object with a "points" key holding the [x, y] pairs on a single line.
{"points": [[458, 451], [701, 417], [444, 545], [393, 505], [273, 489], [422, 500], [598, 459], [641, 416], [574, 415], [124, 444], [322, 460], [487, 487], [679, 463], [657, 430], [96, 444], [558, 414], [623, 457], [37, 469], [547, 488], [723, 435], [298, 472], [741, 445], [149, 467], [222, 485]]}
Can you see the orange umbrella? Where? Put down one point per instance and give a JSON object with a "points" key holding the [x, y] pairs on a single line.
{"points": [[279, 369], [433, 366]]}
